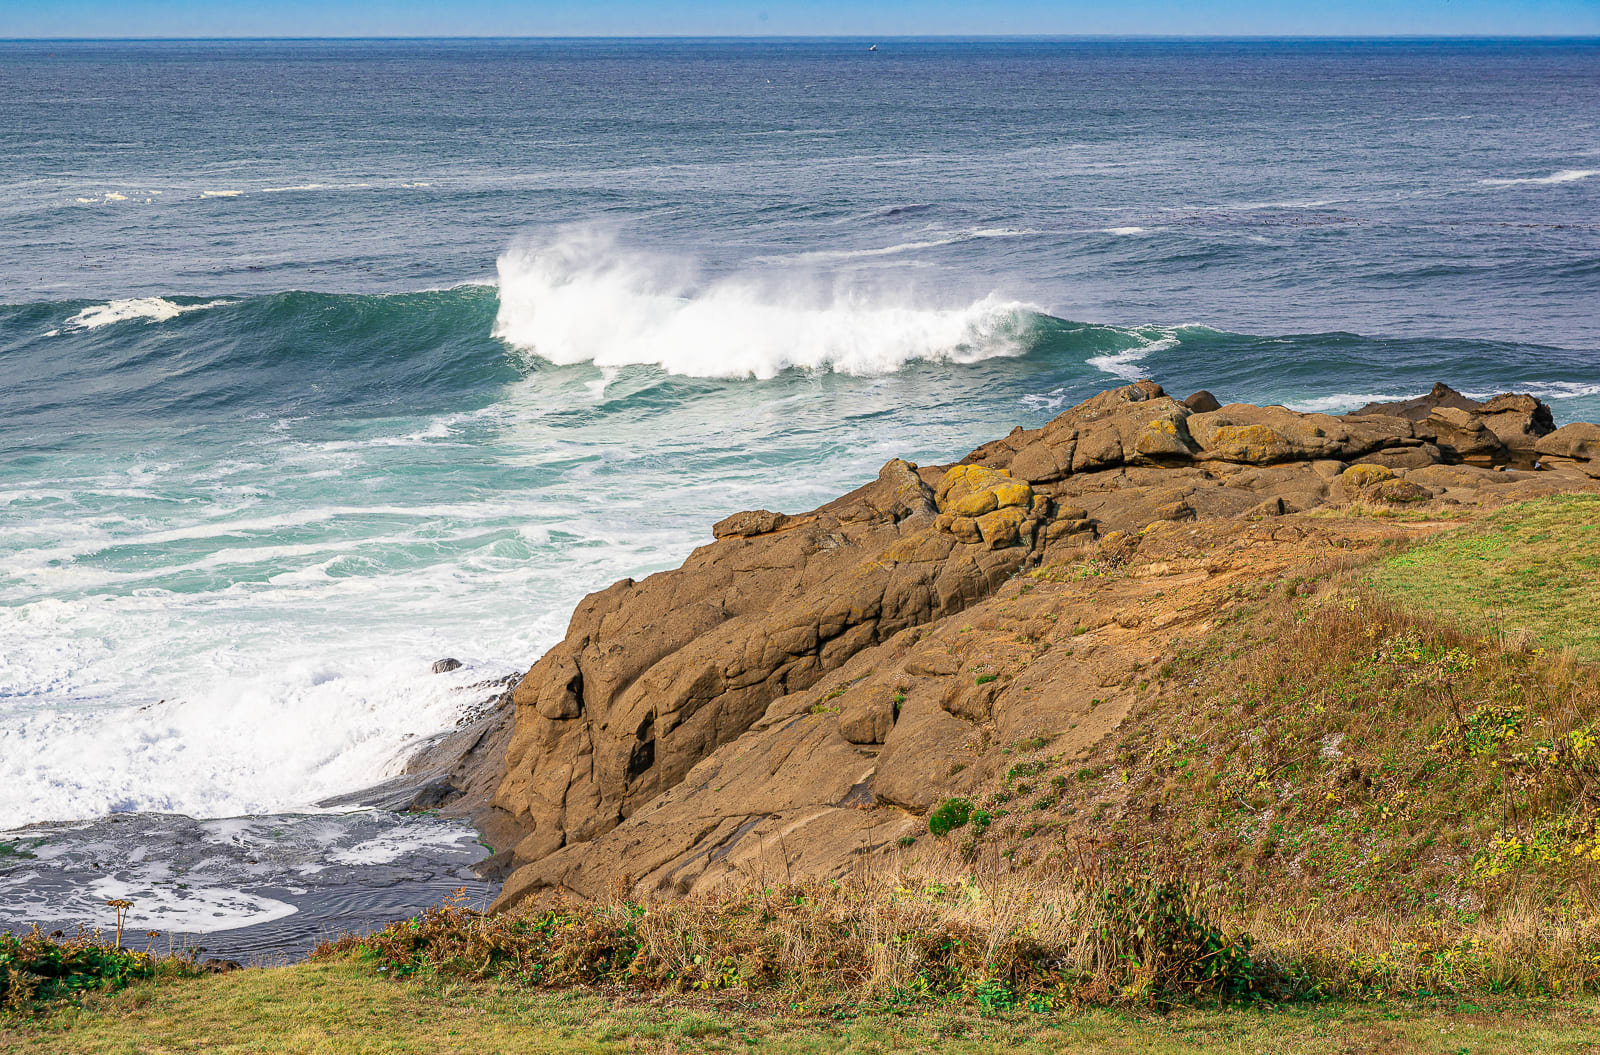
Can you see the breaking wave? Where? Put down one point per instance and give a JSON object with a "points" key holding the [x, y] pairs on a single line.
{"points": [[583, 299]]}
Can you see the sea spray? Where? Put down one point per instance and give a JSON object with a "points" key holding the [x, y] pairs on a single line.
{"points": [[584, 298]]}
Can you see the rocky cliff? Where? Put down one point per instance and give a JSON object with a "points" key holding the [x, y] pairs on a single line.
{"points": [[803, 689]]}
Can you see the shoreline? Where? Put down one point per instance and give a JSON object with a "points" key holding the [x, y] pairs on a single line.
{"points": [[396, 847], [1436, 451]]}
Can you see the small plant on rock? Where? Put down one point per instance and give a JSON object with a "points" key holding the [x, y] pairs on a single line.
{"points": [[949, 815]]}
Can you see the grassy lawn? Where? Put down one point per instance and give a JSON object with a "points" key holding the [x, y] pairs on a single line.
{"points": [[1533, 567], [340, 1008]]}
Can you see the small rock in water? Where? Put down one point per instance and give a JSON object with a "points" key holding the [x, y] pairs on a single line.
{"points": [[445, 666]]}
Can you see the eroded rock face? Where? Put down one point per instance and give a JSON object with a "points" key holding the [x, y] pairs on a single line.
{"points": [[1503, 430], [1574, 446], [654, 676], [801, 690]]}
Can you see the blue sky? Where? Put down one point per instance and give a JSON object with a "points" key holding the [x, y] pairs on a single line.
{"points": [[190, 18]]}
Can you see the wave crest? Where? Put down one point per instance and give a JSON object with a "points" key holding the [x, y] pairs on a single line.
{"points": [[150, 309], [1564, 176], [583, 299]]}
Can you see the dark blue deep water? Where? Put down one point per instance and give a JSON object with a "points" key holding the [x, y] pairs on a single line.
{"points": [[320, 360]]}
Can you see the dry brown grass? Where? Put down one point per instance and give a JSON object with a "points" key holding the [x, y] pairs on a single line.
{"points": [[935, 930], [1385, 800]]}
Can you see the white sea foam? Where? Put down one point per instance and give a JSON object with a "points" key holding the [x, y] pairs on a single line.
{"points": [[1564, 176], [1125, 363], [395, 844], [819, 256], [583, 299], [1340, 402], [1560, 389], [157, 903], [237, 736], [150, 309], [256, 656], [823, 255], [305, 187], [220, 193]]}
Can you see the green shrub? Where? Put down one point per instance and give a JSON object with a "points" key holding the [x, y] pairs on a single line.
{"points": [[949, 815], [38, 972]]}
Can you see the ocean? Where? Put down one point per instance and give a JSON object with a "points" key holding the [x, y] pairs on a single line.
{"points": [[321, 360]]}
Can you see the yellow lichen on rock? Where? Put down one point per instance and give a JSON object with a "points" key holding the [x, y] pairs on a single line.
{"points": [[1365, 474], [962, 480], [1003, 527], [975, 504], [1249, 443], [1161, 439], [970, 481], [1013, 494], [1379, 483]]}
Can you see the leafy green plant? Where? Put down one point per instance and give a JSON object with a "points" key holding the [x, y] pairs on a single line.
{"points": [[994, 996], [949, 815], [39, 971]]}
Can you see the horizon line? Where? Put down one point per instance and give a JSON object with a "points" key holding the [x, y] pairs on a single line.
{"points": [[908, 37]]}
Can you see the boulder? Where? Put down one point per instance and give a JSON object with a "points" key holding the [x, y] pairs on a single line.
{"points": [[1463, 436], [1505, 428], [1579, 441], [1441, 395], [749, 524], [1264, 435]]}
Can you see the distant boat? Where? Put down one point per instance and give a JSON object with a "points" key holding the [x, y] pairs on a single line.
{"points": [[873, 48]]}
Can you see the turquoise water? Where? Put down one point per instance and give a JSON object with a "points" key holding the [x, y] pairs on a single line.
{"points": [[319, 361]]}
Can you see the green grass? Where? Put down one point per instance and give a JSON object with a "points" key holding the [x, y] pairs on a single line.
{"points": [[338, 1008], [1532, 567]]}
